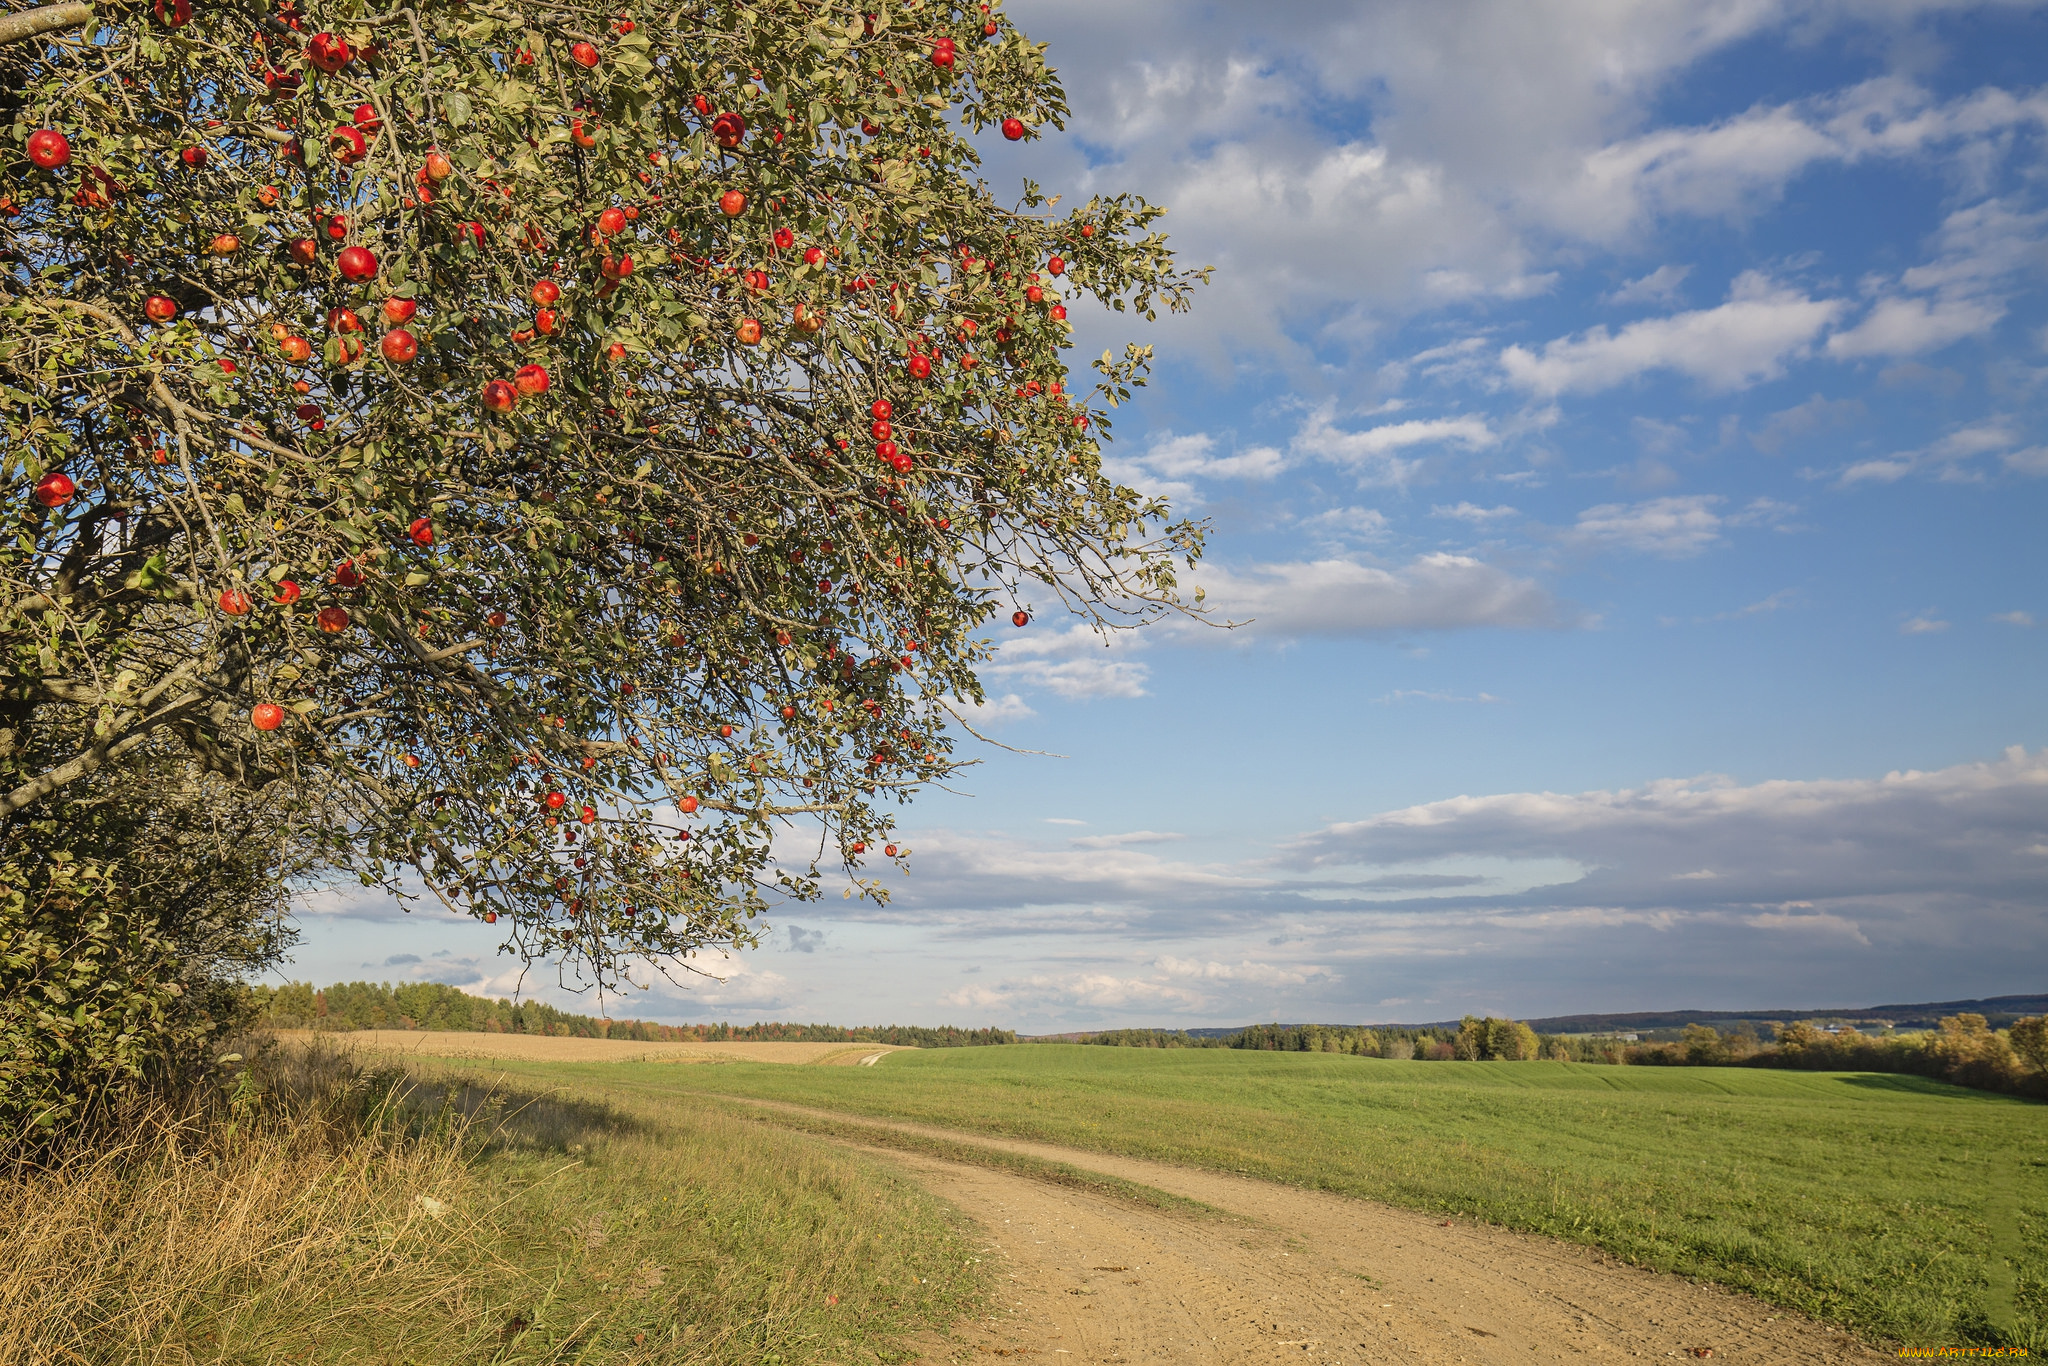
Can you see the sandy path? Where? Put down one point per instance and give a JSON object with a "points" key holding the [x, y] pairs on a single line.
{"points": [[1302, 1275], [434, 1043]]}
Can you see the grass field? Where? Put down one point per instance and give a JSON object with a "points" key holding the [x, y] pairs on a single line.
{"points": [[1901, 1208], [547, 1232]]}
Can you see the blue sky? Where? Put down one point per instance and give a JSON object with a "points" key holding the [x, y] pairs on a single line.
{"points": [[1623, 431]]}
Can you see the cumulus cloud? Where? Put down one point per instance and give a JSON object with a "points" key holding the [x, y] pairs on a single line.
{"points": [[1075, 663], [1126, 840], [1739, 343], [1473, 513], [1377, 453], [1660, 286], [1341, 597], [1965, 831], [1922, 625], [1672, 527]]}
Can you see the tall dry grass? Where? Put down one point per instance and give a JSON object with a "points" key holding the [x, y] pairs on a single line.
{"points": [[225, 1229], [322, 1212]]}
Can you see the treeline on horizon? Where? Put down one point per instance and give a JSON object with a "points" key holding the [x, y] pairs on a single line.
{"points": [[433, 1005], [1963, 1049]]}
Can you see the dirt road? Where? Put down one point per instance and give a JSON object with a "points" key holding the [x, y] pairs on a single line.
{"points": [[1291, 1275]]}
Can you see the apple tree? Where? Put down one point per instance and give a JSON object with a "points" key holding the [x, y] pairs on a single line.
{"points": [[576, 454]]}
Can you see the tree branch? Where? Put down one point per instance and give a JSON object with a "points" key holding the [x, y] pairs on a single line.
{"points": [[34, 23]]}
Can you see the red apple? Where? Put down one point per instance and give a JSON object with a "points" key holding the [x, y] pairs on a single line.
{"points": [[1057, 266], [490, 917], [942, 53], [556, 801], [329, 53], [859, 847], [729, 130], [366, 119], [813, 255], [1020, 618], [531, 379], [224, 244], [358, 264], [341, 320], [54, 488], [496, 619], [588, 815], [885, 450], [880, 429], [158, 309], [176, 14], [749, 331], [784, 239], [881, 410], [584, 55], [346, 575], [439, 167], [617, 269], [687, 805], [725, 731], [1013, 129], [921, 366], [49, 149], [421, 531], [545, 321], [1058, 312], [471, 232], [1034, 294], [295, 349], [234, 602], [266, 716], [611, 221], [732, 203], [500, 397], [615, 352], [287, 593], [398, 310], [333, 620], [304, 251], [546, 292], [889, 850], [193, 156], [337, 227], [399, 346]]}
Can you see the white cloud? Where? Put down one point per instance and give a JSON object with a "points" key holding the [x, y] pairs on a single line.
{"points": [[1346, 526], [1660, 286], [1195, 456], [1375, 453], [1948, 458], [1436, 592], [1472, 512], [1257, 974], [1909, 327], [998, 711], [1922, 625], [1124, 841], [1953, 832], [1074, 663], [1741, 342], [2016, 618], [1673, 527]]}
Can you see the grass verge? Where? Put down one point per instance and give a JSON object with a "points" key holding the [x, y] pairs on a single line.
{"points": [[343, 1216]]}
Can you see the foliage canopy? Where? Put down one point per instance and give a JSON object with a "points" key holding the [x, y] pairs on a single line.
{"points": [[598, 434]]}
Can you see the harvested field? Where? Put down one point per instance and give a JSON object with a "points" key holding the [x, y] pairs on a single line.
{"points": [[427, 1043]]}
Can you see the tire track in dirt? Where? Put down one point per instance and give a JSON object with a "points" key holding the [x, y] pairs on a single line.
{"points": [[1291, 1275]]}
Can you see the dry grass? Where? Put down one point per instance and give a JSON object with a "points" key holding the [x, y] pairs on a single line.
{"points": [[349, 1217], [433, 1043]]}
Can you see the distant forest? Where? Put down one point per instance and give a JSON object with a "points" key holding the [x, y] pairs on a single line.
{"points": [[431, 1005]]}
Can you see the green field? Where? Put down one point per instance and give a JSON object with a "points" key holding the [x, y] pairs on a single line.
{"points": [[1901, 1208]]}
